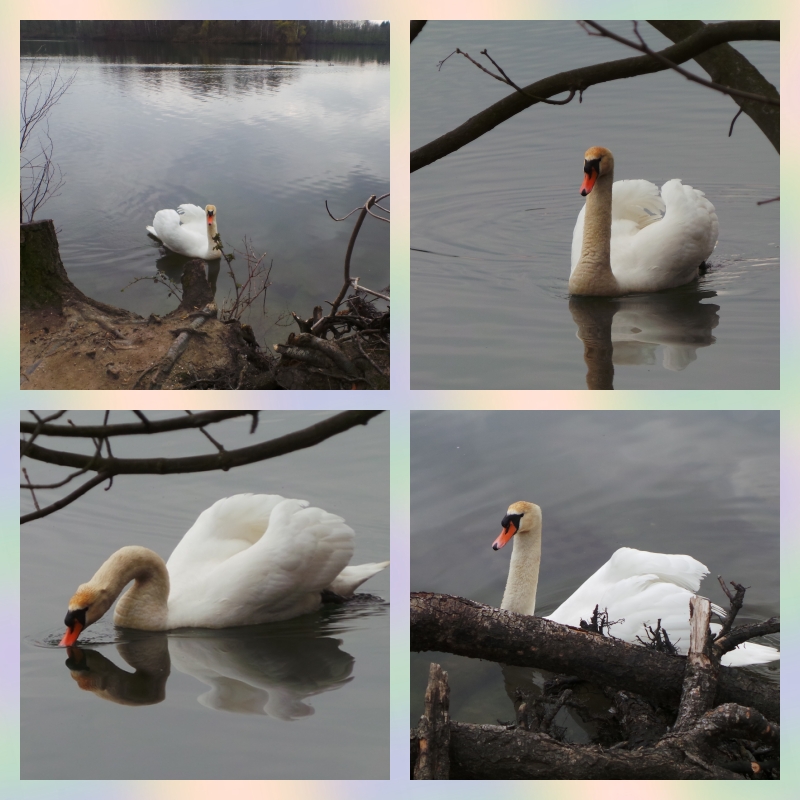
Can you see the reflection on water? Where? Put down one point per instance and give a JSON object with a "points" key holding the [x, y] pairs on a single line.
{"points": [[265, 134], [629, 330], [247, 672]]}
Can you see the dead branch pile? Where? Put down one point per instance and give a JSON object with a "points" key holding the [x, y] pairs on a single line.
{"points": [[670, 717], [347, 347]]}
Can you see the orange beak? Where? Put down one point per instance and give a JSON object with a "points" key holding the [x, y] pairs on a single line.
{"points": [[505, 536], [71, 635], [589, 180]]}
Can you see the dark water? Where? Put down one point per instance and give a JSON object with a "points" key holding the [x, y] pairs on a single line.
{"points": [[265, 135], [238, 703], [704, 483], [491, 224]]}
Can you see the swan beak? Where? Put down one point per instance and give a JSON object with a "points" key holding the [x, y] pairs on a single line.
{"points": [[210, 217], [75, 622], [505, 536], [71, 635], [589, 180]]}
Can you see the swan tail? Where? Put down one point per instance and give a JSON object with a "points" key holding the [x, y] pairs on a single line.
{"points": [[350, 578]]}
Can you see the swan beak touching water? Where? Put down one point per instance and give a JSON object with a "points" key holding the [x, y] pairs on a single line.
{"points": [[75, 622]]}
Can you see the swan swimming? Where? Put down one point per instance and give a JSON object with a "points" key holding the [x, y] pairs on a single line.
{"points": [[631, 238], [248, 559], [635, 587], [189, 231]]}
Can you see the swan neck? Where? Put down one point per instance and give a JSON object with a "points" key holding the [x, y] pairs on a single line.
{"points": [[592, 274], [144, 605], [523, 571]]}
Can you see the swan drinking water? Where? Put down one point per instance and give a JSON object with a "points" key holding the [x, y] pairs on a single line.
{"points": [[629, 238], [248, 559], [189, 231], [635, 587]]}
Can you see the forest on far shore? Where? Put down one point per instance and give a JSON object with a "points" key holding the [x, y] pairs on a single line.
{"points": [[241, 31]]}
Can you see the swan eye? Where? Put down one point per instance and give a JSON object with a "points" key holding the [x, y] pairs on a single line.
{"points": [[593, 165], [511, 519], [78, 615]]}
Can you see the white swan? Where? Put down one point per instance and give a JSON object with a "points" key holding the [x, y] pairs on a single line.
{"points": [[248, 559], [643, 241], [635, 586], [189, 231]]}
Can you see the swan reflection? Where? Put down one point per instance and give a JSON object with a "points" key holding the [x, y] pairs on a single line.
{"points": [[268, 675], [629, 331]]}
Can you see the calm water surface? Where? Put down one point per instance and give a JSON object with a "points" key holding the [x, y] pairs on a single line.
{"points": [[267, 701], [265, 135], [703, 483], [492, 223]]}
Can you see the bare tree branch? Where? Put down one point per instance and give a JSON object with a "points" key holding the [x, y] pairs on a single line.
{"points": [[180, 423], [643, 48], [41, 177], [106, 468], [581, 79]]}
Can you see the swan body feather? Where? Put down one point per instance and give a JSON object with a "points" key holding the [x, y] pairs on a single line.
{"points": [[636, 587], [647, 241], [247, 559], [189, 231]]}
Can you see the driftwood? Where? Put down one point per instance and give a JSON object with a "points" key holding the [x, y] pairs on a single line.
{"points": [[673, 732], [433, 740], [456, 625]]}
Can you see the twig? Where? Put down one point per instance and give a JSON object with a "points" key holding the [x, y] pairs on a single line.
{"points": [[350, 245], [736, 116], [505, 79], [363, 353], [359, 288], [31, 487], [643, 48], [210, 438]]}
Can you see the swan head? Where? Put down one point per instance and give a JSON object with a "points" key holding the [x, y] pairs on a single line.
{"points": [[87, 605], [211, 216], [149, 593], [521, 517], [597, 162]]}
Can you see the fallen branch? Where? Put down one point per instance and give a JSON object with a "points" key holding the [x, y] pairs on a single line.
{"points": [[447, 624]]}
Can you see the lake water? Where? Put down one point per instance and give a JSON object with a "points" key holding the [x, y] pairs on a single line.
{"points": [[266, 135], [704, 483], [491, 224], [261, 702]]}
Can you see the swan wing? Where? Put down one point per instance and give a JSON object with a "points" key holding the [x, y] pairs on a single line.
{"points": [[633, 581], [184, 231], [639, 588], [668, 251], [255, 558], [636, 201], [192, 215]]}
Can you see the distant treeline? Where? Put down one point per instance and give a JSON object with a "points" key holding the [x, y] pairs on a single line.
{"points": [[242, 31]]}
